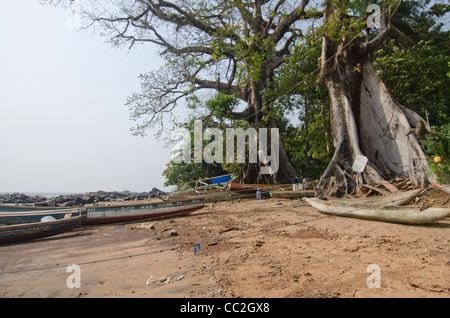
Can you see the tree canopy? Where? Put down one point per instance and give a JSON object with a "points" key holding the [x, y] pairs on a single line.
{"points": [[227, 46], [268, 55]]}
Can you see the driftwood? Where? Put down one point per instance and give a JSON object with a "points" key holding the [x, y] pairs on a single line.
{"points": [[393, 199], [384, 213], [390, 187], [381, 188], [374, 188]]}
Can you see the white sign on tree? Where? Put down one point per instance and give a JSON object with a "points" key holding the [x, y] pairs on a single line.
{"points": [[359, 164]]}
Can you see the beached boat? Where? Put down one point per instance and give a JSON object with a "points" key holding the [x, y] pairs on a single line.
{"points": [[292, 194], [209, 189], [133, 212], [203, 185], [29, 208], [29, 216], [44, 228], [110, 213], [261, 187], [394, 214]]}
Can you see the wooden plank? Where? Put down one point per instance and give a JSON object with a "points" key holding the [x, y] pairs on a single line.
{"points": [[368, 193], [401, 183], [375, 188], [390, 187]]}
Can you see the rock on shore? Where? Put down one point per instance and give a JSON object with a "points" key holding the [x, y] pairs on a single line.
{"points": [[79, 199]]}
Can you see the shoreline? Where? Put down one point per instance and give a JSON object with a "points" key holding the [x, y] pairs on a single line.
{"points": [[248, 249]]}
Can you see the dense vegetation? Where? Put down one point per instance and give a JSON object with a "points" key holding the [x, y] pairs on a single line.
{"points": [[414, 63], [338, 80]]}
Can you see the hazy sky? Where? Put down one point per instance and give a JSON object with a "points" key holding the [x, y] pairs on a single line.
{"points": [[63, 123]]}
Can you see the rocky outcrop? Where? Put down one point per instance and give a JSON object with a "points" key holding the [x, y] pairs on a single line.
{"points": [[79, 199], [21, 198]]}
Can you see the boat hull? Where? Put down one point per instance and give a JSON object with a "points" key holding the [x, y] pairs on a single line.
{"points": [[115, 214], [29, 208], [262, 187], [292, 194], [398, 214], [34, 216], [24, 232]]}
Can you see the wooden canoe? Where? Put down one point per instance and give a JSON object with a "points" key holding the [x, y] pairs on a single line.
{"points": [[394, 214], [262, 187], [29, 231], [133, 212], [29, 208], [29, 216], [292, 194]]}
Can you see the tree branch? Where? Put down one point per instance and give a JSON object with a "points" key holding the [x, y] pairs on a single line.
{"points": [[285, 25], [181, 19]]}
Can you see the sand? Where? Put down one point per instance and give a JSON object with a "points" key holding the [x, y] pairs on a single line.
{"points": [[277, 248]]}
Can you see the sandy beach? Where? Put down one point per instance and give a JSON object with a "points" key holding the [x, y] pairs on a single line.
{"points": [[277, 248]]}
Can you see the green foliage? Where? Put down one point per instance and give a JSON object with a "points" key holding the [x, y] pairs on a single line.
{"points": [[222, 105], [253, 54], [295, 89], [348, 19], [180, 173], [219, 107], [417, 76], [414, 64], [416, 68], [435, 144]]}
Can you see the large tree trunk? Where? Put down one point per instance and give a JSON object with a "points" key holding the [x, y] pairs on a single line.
{"points": [[365, 118], [286, 171], [367, 121], [385, 131]]}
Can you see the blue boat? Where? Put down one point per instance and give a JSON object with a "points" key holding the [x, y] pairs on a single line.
{"points": [[29, 231]]}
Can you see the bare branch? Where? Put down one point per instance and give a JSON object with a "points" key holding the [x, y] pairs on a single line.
{"points": [[286, 24], [202, 40]]}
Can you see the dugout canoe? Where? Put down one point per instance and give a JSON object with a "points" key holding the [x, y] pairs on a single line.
{"points": [[262, 187], [29, 208], [28, 216], [29, 231], [134, 212], [292, 194], [393, 214]]}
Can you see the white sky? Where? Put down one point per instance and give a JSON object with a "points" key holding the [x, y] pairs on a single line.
{"points": [[63, 123]]}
